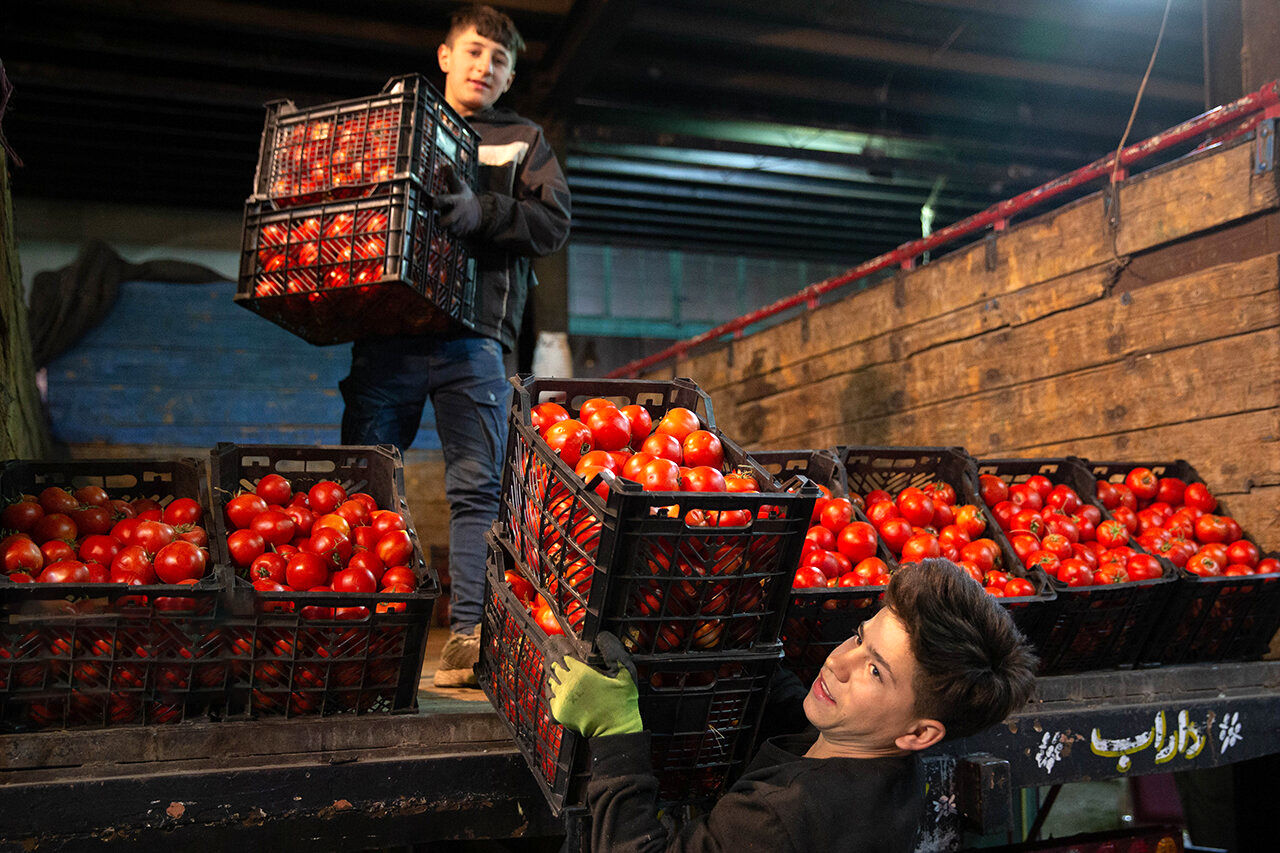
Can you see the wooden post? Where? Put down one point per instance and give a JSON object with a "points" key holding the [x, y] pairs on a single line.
{"points": [[1260, 53], [23, 433], [1244, 47]]}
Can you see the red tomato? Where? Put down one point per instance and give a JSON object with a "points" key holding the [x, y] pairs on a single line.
{"points": [[808, 577], [971, 520], [915, 506], [660, 475], [53, 526], [822, 537], [919, 547], [1057, 544], [857, 541], [632, 467], [22, 555], [403, 576], [1170, 490], [21, 515], [183, 511], [703, 478], [1024, 544], [65, 571], [1111, 534], [304, 571], [1204, 564], [1047, 561], [569, 439], [1029, 521], [275, 526], [99, 549], [598, 459], [1061, 525], [982, 552], [153, 535], [325, 496], [679, 422], [836, 515], [941, 493], [92, 496], [241, 509], [245, 546], [384, 521], [544, 415], [740, 483], [660, 445], [878, 512], [1025, 496], [546, 620], [824, 561], [1041, 484], [57, 550], [994, 490], [1198, 496], [1075, 572], [179, 561], [702, 447], [1018, 588], [370, 562], [641, 423], [57, 500], [1141, 567], [395, 548], [270, 566], [1242, 552], [1267, 566], [132, 561], [274, 489], [355, 580], [1064, 498], [354, 511], [895, 532], [610, 429], [1004, 513], [1142, 482]]}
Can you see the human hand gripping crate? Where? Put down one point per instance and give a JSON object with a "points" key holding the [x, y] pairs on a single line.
{"points": [[905, 488], [702, 710], [613, 541], [1226, 604], [331, 595], [1111, 592], [109, 601]]}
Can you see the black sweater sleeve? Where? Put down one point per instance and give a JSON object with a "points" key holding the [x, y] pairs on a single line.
{"points": [[623, 796]]}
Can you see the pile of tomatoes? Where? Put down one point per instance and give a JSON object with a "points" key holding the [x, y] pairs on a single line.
{"points": [[323, 251], [86, 536], [1051, 528], [334, 153], [319, 540], [541, 609], [1176, 520], [917, 523]]}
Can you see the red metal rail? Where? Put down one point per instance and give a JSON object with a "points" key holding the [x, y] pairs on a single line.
{"points": [[1252, 107]]}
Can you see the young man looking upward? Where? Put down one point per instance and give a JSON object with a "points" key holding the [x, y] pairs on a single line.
{"points": [[519, 211], [941, 660]]}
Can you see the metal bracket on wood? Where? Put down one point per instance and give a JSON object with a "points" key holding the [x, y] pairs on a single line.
{"points": [[1264, 152], [991, 258], [984, 792], [1111, 206]]}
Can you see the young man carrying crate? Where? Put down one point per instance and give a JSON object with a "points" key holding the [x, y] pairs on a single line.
{"points": [[520, 212], [941, 660]]}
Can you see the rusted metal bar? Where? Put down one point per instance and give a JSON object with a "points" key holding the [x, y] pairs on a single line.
{"points": [[1260, 102]]}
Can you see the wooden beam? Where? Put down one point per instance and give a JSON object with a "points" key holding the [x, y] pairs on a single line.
{"points": [[592, 30], [829, 45]]}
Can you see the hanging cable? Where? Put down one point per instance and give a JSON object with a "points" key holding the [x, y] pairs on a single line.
{"points": [[1141, 87]]}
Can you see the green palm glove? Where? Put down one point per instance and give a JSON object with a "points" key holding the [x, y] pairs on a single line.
{"points": [[591, 702]]}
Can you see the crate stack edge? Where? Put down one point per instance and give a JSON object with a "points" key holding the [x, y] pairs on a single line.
{"points": [[699, 607]]}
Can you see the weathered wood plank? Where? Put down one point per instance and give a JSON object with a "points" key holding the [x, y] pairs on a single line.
{"points": [[1227, 300], [1063, 241], [1191, 195]]}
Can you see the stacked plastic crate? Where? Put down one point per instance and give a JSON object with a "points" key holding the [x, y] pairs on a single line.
{"points": [[340, 238], [698, 603]]}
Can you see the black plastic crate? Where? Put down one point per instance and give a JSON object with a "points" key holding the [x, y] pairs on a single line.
{"points": [[1207, 619], [346, 148], [298, 653], [702, 711], [1097, 626], [896, 468], [341, 270], [819, 620], [109, 654], [659, 582]]}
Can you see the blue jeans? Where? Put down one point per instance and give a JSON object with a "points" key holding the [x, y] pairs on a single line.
{"points": [[390, 381]]}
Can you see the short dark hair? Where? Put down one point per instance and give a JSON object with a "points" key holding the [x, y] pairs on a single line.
{"points": [[973, 666], [490, 23]]}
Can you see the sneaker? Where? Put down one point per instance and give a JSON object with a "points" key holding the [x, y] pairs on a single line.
{"points": [[457, 659]]}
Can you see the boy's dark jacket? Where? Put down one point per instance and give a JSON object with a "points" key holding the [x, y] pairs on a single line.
{"points": [[524, 203]]}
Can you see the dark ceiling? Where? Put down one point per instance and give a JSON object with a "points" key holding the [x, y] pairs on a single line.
{"points": [[813, 128]]}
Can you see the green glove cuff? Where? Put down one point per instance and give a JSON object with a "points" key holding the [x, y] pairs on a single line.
{"points": [[592, 703]]}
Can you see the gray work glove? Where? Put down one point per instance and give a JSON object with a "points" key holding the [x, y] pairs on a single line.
{"points": [[459, 208]]}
